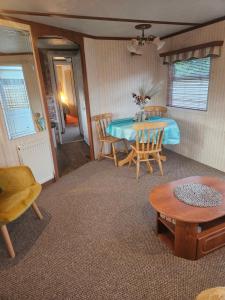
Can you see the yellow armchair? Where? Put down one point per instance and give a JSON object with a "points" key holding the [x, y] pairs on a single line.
{"points": [[18, 191]]}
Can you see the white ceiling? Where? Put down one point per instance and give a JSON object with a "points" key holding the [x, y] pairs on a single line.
{"points": [[102, 28], [193, 11]]}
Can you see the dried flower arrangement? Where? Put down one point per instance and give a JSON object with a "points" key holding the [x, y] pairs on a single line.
{"points": [[145, 94]]}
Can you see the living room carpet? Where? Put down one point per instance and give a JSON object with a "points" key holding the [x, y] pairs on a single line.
{"points": [[98, 240]]}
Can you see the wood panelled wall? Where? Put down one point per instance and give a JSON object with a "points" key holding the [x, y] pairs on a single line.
{"points": [[203, 133], [113, 74]]}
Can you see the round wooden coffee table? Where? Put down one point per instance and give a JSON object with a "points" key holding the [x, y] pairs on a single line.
{"points": [[190, 231]]}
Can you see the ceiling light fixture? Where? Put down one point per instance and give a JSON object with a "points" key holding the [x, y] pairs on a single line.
{"points": [[136, 46]]}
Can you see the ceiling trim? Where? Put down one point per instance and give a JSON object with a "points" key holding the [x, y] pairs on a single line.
{"points": [[15, 53], [71, 16], [89, 36], [120, 38], [217, 20], [58, 49], [50, 37]]}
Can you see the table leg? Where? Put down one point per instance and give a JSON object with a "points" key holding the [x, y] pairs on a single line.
{"points": [[163, 157], [185, 240], [126, 160]]}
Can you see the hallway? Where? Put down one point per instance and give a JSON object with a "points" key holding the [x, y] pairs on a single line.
{"points": [[72, 133], [72, 155]]}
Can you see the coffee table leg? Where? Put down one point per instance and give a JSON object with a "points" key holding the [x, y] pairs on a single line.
{"points": [[185, 240]]}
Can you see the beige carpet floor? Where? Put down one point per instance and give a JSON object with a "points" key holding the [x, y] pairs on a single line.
{"points": [[97, 241]]}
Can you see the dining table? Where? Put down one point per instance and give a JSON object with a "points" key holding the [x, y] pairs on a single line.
{"points": [[124, 129]]}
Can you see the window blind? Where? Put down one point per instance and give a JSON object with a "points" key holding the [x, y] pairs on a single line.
{"points": [[15, 102], [189, 83]]}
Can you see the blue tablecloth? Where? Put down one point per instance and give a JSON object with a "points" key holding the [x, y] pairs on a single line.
{"points": [[123, 128]]}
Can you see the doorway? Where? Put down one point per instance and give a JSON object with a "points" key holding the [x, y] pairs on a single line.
{"points": [[61, 65], [69, 118]]}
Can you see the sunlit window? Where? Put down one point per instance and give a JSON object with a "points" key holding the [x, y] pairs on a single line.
{"points": [[189, 83], [15, 102]]}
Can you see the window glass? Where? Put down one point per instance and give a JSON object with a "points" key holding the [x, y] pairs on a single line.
{"points": [[189, 83], [15, 102]]}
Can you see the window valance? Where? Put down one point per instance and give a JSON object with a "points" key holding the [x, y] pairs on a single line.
{"points": [[212, 49]]}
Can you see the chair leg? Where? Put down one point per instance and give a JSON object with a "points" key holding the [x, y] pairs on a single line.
{"points": [[149, 166], [137, 166], [37, 211], [131, 158], [114, 154], [125, 146], [100, 150], [8, 243], [159, 163]]}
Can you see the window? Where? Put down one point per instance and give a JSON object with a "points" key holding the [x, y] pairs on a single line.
{"points": [[189, 83], [15, 102]]}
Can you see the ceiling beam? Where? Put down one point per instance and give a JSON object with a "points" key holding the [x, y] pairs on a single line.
{"points": [[71, 16]]}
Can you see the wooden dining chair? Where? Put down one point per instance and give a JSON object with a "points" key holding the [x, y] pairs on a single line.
{"points": [[156, 110], [148, 145], [102, 121]]}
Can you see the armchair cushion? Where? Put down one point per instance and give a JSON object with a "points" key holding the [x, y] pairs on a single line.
{"points": [[14, 204], [16, 178], [18, 191]]}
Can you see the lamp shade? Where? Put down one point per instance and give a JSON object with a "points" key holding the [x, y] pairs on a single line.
{"points": [[134, 48], [159, 44]]}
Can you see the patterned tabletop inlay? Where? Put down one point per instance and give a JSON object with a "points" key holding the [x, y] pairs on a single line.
{"points": [[196, 194]]}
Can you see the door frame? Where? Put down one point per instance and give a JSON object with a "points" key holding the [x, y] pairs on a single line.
{"points": [[66, 54], [69, 54], [39, 30], [80, 42]]}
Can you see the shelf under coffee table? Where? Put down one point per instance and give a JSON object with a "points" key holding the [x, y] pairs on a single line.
{"points": [[190, 231]]}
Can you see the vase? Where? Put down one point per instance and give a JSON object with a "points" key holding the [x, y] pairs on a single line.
{"points": [[141, 114]]}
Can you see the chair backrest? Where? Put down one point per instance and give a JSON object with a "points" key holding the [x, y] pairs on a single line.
{"points": [[156, 110], [16, 178], [102, 121], [149, 136]]}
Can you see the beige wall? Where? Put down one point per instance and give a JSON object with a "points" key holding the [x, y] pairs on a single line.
{"points": [[66, 85], [113, 74], [80, 97], [69, 88], [203, 133]]}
